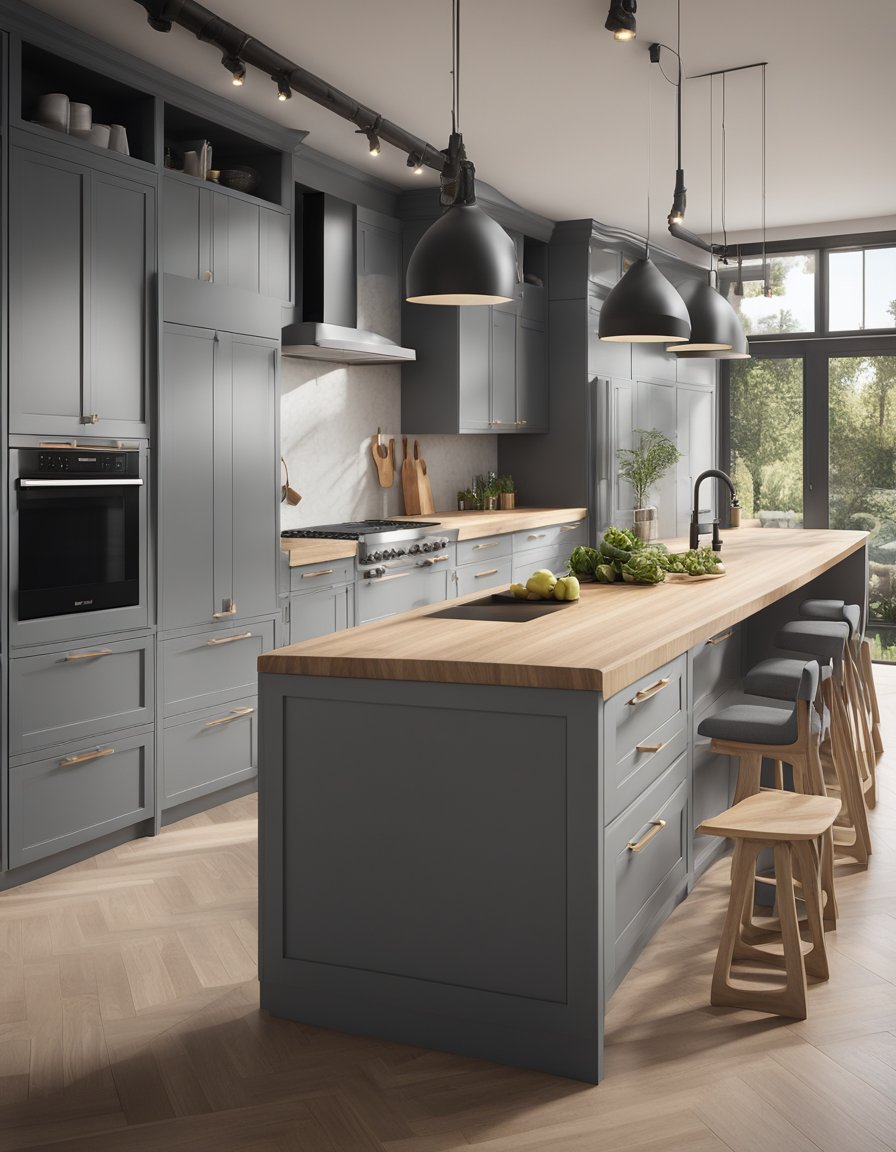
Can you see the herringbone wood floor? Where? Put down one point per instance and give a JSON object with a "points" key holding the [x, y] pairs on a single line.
{"points": [[129, 1021]]}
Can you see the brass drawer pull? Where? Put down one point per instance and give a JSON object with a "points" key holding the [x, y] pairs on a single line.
{"points": [[656, 826], [487, 572], [231, 611], [388, 576], [322, 572], [230, 639], [569, 527], [536, 535], [82, 757], [488, 544], [236, 714], [71, 657], [650, 747], [719, 639], [646, 693]]}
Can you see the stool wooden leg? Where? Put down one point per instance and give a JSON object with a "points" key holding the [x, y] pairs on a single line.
{"points": [[807, 861], [848, 781], [749, 771], [861, 731], [867, 669], [829, 906]]}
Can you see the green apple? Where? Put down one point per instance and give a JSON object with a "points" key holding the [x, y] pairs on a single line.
{"points": [[542, 583], [566, 588], [520, 591]]}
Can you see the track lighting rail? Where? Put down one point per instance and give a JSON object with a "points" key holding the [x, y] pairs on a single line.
{"points": [[235, 44]]}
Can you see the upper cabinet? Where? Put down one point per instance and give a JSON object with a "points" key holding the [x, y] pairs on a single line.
{"points": [[81, 256], [479, 369]]}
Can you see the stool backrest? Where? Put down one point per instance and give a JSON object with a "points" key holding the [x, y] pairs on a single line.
{"points": [[808, 681]]}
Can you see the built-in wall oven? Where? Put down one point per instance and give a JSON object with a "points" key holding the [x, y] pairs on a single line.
{"points": [[77, 541]]}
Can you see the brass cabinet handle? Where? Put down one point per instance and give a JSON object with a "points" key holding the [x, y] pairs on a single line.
{"points": [[71, 657], [488, 544], [389, 576], [90, 418], [719, 639], [656, 826], [230, 639], [650, 747], [236, 714], [536, 535], [569, 527], [430, 560], [231, 611], [322, 572], [646, 693], [487, 572], [81, 757]]}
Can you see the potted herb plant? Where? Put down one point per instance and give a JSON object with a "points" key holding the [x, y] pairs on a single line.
{"points": [[643, 466], [466, 500], [506, 492], [488, 496]]}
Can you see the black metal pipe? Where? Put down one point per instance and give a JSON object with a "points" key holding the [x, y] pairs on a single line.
{"points": [[233, 41]]}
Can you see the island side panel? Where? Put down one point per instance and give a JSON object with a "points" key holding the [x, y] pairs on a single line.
{"points": [[431, 866]]}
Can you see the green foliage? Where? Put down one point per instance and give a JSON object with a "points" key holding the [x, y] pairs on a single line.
{"points": [[646, 464], [767, 434]]}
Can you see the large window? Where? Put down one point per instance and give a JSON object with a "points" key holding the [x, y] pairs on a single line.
{"points": [[774, 296], [862, 289]]}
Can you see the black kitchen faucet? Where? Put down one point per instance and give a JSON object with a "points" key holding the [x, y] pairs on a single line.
{"points": [[696, 526]]}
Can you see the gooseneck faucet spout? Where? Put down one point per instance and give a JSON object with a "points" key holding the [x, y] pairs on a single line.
{"points": [[696, 526]]}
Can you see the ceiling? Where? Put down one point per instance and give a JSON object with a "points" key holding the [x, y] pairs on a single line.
{"points": [[567, 122]]}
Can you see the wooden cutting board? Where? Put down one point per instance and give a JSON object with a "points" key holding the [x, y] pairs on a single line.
{"points": [[424, 488], [384, 459], [409, 483]]}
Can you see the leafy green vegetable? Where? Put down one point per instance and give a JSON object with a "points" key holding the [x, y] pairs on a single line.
{"points": [[623, 539], [611, 552], [605, 574], [694, 562], [643, 568], [584, 560]]}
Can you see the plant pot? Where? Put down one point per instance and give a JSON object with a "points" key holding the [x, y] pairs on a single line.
{"points": [[489, 503], [507, 500], [645, 524]]}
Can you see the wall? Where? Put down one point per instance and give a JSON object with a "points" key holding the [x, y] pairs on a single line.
{"points": [[328, 414]]}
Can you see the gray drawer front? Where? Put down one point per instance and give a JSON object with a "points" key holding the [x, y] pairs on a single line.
{"points": [[640, 765], [526, 563], [487, 573], [201, 754], [488, 548], [637, 713], [401, 591], [564, 536], [716, 664], [211, 668], [58, 697], [311, 576], [321, 612], [53, 805], [641, 886]]}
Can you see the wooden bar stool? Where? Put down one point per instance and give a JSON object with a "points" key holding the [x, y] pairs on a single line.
{"points": [[860, 651], [794, 827]]}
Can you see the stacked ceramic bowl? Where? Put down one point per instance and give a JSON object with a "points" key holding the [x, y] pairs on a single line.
{"points": [[55, 110]]}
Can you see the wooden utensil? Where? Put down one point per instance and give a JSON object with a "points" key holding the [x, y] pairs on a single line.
{"points": [[424, 488], [409, 485], [384, 459]]}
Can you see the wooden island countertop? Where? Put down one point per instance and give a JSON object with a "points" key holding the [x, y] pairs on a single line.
{"points": [[614, 635]]}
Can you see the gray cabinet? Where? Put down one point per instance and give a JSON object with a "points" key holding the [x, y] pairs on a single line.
{"points": [[81, 256], [401, 591], [219, 236], [211, 669], [322, 600], [218, 481], [206, 751], [548, 547], [483, 564]]}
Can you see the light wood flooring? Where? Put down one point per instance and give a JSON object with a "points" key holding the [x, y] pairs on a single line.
{"points": [[129, 1021]]}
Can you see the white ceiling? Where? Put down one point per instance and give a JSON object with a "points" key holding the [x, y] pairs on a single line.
{"points": [[569, 123]]}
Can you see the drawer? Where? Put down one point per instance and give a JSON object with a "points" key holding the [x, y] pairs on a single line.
{"points": [[564, 536], [311, 576], [716, 666], [321, 612], [651, 710], [401, 591], [208, 750], [79, 794], [525, 563], [76, 693], [645, 868], [488, 573], [211, 668], [488, 548], [637, 768]]}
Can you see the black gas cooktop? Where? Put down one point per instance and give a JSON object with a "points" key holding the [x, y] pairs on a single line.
{"points": [[354, 531]]}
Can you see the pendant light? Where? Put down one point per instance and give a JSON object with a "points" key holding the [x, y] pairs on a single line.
{"points": [[644, 308], [465, 257]]}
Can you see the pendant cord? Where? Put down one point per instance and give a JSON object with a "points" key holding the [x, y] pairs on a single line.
{"points": [[649, 150], [765, 276], [724, 160], [455, 66], [678, 54], [712, 167]]}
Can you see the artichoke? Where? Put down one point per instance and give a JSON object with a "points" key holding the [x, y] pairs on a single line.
{"points": [[605, 574], [622, 538], [643, 569], [583, 561]]}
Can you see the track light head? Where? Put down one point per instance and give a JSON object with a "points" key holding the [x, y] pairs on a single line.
{"points": [[679, 199], [236, 68], [284, 91], [370, 131], [155, 15], [621, 19], [415, 161]]}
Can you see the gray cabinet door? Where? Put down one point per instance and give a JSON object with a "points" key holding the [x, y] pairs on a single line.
{"points": [[532, 380], [182, 227], [206, 751], [474, 334], [321, 612], [188, 486], [122, 259], [275, 248], [622, 422], [255, 471], [503, 371], [696, 422], [48, 202], [235, 242]]}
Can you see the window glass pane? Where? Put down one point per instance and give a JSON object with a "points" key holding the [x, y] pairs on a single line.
{"points": [[880, 288], [845, 292], [767, 440], [863, 476], [791, 305]]}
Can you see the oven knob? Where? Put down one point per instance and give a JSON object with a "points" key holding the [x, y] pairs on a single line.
{"points": [[414, 549], [443, 543], [399, 552], [374, 556], [388, 553]]}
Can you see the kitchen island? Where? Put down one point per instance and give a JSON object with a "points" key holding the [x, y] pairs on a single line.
{"points": [[470, 827]]}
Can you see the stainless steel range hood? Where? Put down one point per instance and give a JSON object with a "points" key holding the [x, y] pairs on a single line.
{"points": [[326, 229]]}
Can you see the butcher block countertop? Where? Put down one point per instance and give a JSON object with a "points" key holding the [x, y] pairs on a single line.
{"points": [[469, 526], [614, 635]]}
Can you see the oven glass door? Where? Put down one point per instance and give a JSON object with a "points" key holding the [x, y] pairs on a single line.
{"points": [[78, 545]]}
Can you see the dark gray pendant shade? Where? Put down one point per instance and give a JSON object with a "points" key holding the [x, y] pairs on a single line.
{"points": [[644, 308], [465, 257], [714, 323]]}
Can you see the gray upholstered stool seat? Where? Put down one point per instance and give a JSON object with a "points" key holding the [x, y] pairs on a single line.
{"points": [[823, 639], [778, 678], [762, 724], [838, 610]]}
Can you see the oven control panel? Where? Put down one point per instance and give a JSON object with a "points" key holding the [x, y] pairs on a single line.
{"points": [[56, 462]]}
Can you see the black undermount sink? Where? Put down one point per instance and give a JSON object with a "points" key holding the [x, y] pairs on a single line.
{"points": [[511, 611]]}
